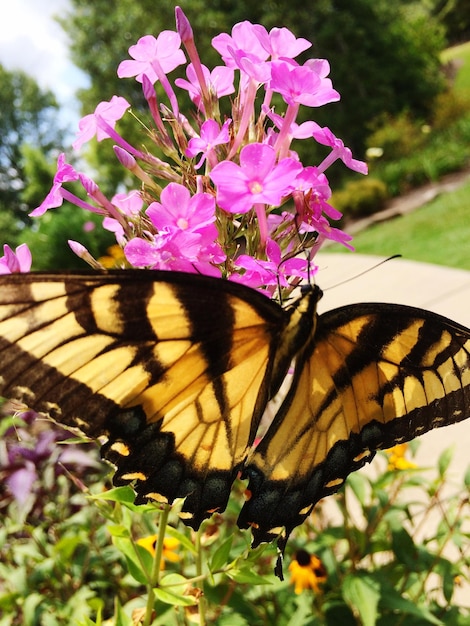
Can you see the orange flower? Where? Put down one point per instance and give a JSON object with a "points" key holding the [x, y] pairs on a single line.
{"points": [[307, 572]]}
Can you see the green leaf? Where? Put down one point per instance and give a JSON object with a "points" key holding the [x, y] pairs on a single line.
{"points": [[30, 608], [362, 594], [221, 555], [166, 595], [391, 599], [184, 540], [445, 460], [250, 577], [404, 548], [139, 560], [359, 485], [466, 479]]}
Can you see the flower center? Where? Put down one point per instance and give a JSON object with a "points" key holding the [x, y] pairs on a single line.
{"points": [[255, 187], [182, 223]]}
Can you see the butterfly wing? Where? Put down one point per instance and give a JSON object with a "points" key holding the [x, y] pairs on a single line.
{"points": [[173, 369], [372, 376]]}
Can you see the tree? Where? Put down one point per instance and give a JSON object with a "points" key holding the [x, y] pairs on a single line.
{"points": [[384, 58], [28, 117]]}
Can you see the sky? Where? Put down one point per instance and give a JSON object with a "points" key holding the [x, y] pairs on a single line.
{"points": [[32, 41]]}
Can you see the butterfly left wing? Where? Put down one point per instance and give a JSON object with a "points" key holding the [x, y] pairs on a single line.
{"points": [[173, 369], [372, 376]]}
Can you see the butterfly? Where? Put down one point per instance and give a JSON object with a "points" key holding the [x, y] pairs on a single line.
{"points": [[175, 372]]}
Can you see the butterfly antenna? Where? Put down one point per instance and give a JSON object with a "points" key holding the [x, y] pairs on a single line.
{"points": [[366, 271]]}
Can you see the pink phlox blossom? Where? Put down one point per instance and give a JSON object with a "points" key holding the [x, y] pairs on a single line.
{"points": [[257, 180], [211, 135], [282, 43], [130, 205], [339, 150], [296, 131], [301, 84], [325, 231], [65, 173], [246, 39], [259, 273], [219, 82], [14, 262], [256, 69], [311, 194], [109, 112], [178, 251], [179, 211], [166, 49]]}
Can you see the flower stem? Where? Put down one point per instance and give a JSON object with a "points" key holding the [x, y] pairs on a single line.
{"points": [[202, 599], [156, 567]]}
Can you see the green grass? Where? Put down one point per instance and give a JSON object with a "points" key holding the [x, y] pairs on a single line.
{"points": [[438, 232], [461, 54]]}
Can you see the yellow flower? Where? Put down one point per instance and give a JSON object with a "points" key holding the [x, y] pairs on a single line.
{"points": [[114, 258], [169, 546], [307, 572], [396, 458]]}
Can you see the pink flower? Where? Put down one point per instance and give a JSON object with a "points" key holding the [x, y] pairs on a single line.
{"points": [[272, 272], [18, 261], [245, 39], [257, 180], [326, 137], [65, 173], [180, 251], [301, 84], [282, 43], [130, 205], [109, 112], [325, 231], [219, 82], [165, 49], [211, 135], [179, 211], [296, 131]]}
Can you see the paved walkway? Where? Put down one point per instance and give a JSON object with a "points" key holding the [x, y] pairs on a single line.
{"points": [[440, 289]]}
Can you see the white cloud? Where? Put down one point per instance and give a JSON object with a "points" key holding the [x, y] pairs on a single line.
{"points": [[32, 41]]}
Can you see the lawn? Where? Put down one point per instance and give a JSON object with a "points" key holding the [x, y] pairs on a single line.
{"points": [[461, 54], [438, 232]]}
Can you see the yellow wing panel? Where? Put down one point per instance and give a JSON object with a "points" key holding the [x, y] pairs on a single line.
{"points": [[373, 375]]}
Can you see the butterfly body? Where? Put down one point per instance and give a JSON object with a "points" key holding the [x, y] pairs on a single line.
{"points": [[175, 371]]}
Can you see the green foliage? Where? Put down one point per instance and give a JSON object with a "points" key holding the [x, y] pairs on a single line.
{"points": [[383, 543], [397, 137], [360, 197], [454, 15], [443, 151], [384, 58], [28, 117]]}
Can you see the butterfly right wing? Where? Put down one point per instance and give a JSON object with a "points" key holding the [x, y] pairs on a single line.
{"points": [[372, 376]]}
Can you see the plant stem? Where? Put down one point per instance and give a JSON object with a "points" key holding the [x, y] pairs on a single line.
{"points": [[156, 567], [202, 600]]}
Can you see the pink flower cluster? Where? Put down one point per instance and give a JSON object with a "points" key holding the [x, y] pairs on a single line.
{"points": [[231, 198]]}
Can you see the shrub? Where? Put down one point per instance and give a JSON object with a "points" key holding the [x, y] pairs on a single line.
{"points": [[360, 198], [397, 136]]}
